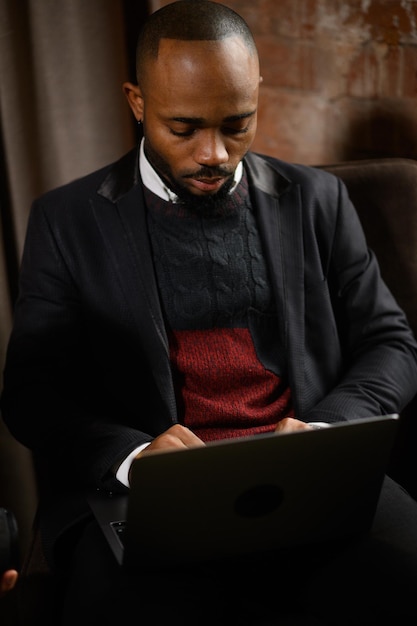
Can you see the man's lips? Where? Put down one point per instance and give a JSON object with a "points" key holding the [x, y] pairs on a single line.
{"points": [[207, 184]]}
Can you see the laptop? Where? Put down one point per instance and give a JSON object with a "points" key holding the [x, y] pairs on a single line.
{"points": [[243, 496]]}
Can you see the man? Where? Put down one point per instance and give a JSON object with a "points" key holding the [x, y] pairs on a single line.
{"points": [[195, 291]]}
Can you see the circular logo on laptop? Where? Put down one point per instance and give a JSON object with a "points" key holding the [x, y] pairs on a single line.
{"points": [[258, 501]]}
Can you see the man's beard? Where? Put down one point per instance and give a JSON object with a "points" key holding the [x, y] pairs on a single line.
{"points": [[213, 205]]}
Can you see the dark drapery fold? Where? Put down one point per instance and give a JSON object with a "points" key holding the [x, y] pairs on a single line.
{"points": [[62, 114]]}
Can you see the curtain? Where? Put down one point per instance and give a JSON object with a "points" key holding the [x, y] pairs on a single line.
{"points": [[62, 114]]}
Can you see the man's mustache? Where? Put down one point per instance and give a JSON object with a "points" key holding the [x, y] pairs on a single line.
{"points": [[210, 172]]}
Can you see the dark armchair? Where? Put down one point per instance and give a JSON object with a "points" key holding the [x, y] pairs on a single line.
{"points": [[384, 192]]}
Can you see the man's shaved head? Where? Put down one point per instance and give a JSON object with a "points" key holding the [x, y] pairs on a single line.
{"points": [[189, 20]]}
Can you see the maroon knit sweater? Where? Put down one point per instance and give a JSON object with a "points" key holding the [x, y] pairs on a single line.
{"points": [[227, 363]]}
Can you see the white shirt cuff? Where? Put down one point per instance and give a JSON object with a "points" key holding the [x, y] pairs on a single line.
{"points": [[122, 473]]}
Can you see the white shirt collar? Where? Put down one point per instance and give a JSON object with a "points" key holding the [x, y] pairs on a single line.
{"points": [[152, 181]]}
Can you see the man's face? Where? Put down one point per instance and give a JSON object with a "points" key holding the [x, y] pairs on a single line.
{"points": [[199, 113]]}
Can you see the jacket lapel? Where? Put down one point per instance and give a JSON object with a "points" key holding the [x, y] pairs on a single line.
{"points": [[278, 203], [124, 230]]}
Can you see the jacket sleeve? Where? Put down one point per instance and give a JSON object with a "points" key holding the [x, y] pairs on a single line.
{"points": [[376, 370], [55, 399]]}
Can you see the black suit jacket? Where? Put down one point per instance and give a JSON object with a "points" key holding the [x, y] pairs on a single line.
{"points": [[87, 375]]}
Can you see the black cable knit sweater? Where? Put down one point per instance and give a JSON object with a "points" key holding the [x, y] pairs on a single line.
{"points": [[227, 363]]}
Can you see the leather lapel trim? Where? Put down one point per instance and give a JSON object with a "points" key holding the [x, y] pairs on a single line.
{"points": [[122, 176]]}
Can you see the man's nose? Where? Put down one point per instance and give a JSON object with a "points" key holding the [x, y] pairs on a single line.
{"points": [[210, 149]]}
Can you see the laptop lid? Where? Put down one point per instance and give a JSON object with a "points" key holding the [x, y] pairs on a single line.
{"points": [[248, 495]]}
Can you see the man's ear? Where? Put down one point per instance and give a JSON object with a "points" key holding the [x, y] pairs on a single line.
{"points": [[135, 99]]}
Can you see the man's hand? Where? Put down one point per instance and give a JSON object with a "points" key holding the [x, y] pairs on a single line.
{"points": [[7, 581], [290, 424], [177, 437]]}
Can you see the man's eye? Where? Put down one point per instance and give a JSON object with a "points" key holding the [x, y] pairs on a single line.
{"points": [[236, 131], [227, 130], [183, 133]]}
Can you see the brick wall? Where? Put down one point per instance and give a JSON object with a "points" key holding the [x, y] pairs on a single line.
{"points": [[340, 77]]}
